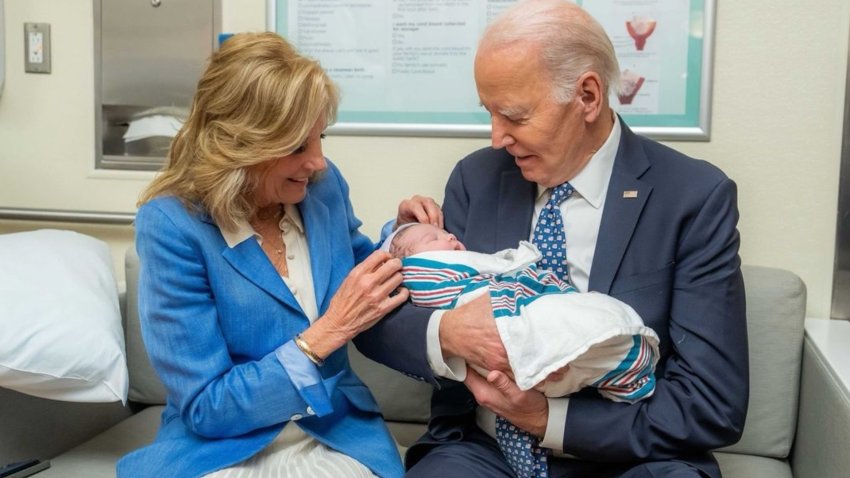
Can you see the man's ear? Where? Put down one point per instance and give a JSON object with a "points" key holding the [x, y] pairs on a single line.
{"points": [[590, 95]]}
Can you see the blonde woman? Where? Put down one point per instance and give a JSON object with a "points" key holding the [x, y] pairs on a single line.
{"points": [[254, 277]]}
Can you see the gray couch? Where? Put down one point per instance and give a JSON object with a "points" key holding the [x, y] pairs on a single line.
{"points": [[786, 433]]}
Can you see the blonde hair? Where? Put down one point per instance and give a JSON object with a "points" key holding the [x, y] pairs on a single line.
{"points": [[257, 100], [570, 42]]}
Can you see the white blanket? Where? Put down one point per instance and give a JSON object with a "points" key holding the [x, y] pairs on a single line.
{"points": [[592, 333]]}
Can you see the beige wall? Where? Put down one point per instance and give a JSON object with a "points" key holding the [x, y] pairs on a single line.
{"points": [[779, 76]]}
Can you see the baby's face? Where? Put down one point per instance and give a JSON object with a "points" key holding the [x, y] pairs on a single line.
{"points": [[425, 237]]}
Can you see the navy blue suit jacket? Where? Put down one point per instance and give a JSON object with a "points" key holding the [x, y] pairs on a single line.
{"points": [[671, 253]]}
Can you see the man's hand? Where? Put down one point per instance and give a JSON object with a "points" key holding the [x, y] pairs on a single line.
{"points": [[421, 209], [470, 332], [528, 410]]}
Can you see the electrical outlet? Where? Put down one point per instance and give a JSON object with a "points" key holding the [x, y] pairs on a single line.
{"points": [[37, 47]]}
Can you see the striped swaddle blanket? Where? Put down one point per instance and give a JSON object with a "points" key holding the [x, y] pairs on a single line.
{"points": [[544, 322]]}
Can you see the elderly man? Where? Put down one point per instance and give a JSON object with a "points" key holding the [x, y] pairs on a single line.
{"points": [[621, 215]]}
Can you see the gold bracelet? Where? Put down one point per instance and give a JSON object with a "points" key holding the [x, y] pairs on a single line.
{"points": [[305, 348]]}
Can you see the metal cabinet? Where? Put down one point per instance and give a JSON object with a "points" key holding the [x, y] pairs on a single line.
{"points": [[148, 57], [841, 271]]}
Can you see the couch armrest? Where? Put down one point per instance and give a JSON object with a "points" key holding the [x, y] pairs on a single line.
{"points": [[32, 427], [823, 424]]}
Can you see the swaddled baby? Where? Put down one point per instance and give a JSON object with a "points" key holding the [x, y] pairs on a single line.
{"points": [[558, 340]]}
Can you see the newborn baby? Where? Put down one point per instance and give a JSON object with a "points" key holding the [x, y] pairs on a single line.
{"points": [[558, 340]]}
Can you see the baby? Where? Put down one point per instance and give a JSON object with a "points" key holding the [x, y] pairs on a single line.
{"points": [[557, 339]]}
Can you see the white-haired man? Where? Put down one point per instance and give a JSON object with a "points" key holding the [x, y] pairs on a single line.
{"points": [[639, 221]]}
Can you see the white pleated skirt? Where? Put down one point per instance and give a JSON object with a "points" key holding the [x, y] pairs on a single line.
{"points": [[294, 454]]}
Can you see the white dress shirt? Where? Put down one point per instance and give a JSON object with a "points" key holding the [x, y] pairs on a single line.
{"points": [[582, 214]]}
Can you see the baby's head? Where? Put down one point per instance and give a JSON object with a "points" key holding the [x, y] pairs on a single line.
{"points": [[416, 238]]}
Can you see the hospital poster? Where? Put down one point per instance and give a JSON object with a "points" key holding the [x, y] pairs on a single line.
{"points": [[405, 66]]}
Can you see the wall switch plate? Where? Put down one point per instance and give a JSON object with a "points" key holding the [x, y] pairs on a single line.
{"points": [[37, 47]]}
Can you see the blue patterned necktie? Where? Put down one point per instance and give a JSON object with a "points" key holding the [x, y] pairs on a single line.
{"points": [[521, 449], [549, 236]]}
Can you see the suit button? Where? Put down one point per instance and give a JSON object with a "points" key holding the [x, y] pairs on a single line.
{"points": [[296, 417]]}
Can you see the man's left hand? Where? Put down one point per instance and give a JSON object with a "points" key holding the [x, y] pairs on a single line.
{"points": [[528, 410]]}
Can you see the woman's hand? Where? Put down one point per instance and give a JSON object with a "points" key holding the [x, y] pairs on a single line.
{"points": [[360, 302], [420, 209]]}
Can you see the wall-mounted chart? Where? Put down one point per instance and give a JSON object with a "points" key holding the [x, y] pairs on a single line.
{"points": [[405, 66]]}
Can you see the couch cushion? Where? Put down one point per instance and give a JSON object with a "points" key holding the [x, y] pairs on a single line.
{"points": [[401, 398], [97, 457], [145, 386], [820, 449], [733, 465], [776, 306], [32, 427]]}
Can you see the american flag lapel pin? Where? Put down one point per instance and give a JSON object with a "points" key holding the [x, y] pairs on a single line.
{"points": [[630, 194]]}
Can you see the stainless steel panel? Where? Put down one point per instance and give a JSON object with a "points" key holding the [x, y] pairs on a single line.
{"points": [[153, 55], [841, 274], [149, 55], [2, 46]]}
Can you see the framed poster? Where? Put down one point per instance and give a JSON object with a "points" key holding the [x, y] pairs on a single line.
{"points": [[405, 66]]}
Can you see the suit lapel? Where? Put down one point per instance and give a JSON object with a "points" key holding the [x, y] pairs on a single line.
{"points": [[316, 219], [249, 260], [515, 210], [625, 200]]}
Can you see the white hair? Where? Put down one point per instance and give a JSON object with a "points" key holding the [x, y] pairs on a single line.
{"points": [[570, 41]]}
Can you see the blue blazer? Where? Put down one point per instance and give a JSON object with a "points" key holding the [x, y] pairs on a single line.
{"points": [[671, 253], [218, 325]]}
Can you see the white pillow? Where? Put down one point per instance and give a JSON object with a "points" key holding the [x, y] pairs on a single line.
{"points": [[60, 324]]}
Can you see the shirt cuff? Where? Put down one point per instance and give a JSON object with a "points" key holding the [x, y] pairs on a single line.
{"points": [[557, 424], [305, 378], [453, 368]]}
